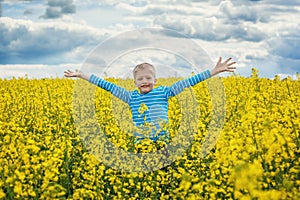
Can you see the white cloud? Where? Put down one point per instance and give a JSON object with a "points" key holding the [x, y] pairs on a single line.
{"points": [[27, 41], [156, 45], [35, 71], [210, 28], [255, 33], [57, 8], [241, 12]]}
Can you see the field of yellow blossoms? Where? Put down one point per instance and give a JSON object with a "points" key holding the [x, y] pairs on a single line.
{"points": [[256, 156]]}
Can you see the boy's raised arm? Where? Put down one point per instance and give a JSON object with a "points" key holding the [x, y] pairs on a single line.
{"points": [[68, 73], [178, 87], [117, 91]]}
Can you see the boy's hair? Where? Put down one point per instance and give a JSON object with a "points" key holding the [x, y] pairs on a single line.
{"points": [[143, 66]]}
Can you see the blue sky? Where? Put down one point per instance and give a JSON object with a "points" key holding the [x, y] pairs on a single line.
{"points": [[43, 38]]}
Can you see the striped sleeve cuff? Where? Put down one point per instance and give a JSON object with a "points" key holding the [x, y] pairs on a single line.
{"points": [[93, 79], [200, 77], [206, 74]]}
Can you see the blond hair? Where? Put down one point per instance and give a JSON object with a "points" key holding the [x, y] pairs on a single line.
{"points": [[143, 66]]}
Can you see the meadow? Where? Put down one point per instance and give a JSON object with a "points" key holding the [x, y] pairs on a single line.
{"points": [[255, 156]]}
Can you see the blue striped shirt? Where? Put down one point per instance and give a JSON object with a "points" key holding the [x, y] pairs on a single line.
{"points": [[150, 109]]}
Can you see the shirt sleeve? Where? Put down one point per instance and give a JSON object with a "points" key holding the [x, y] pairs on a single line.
{"points": [[115, 90], [179, 86]]}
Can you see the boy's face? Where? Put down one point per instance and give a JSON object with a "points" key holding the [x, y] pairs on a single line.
{"points": [[144, 80]]}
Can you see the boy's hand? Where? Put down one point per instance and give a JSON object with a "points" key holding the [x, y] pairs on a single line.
{"points": [[223, 67], [68, 73]]}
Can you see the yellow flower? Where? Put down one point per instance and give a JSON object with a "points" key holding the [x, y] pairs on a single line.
{"points": [[18, 188], [2, 194], [143, 107], [45, 153]]}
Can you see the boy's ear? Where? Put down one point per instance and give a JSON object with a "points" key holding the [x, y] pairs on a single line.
{"points": [[155, 81]]}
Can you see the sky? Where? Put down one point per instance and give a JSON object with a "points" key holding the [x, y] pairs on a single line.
{"points": [[108, 37]]}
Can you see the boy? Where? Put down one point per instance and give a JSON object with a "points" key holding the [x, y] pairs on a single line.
{"points": [[149, 105]]}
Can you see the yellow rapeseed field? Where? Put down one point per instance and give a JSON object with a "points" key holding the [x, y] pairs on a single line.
{"points": [[256, 156]]}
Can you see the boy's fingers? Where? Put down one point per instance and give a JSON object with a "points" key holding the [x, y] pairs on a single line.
{"points": [[231, 63], [228, 60], [220, 59]]}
